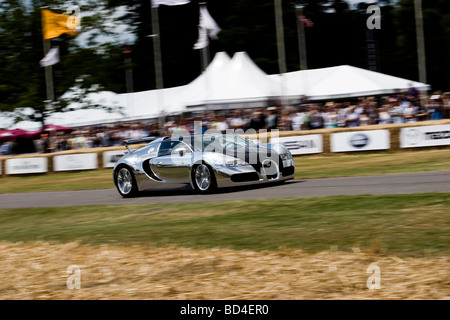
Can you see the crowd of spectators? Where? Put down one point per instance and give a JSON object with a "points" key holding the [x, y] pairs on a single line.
{"points": [[400, 108]]}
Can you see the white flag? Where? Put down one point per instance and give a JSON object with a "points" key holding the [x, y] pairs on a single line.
{"points": [[157, 3], [206, 27], [51, 58], [202, 41], [207, 22]]}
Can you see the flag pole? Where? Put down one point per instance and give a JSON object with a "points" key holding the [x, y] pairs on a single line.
{"points": [[420, 47], [48, 73], [301, 38], [49, 86], [280, 36], [157, 47], [205, 53], [48, 69], [280, 46], [158, 64]]}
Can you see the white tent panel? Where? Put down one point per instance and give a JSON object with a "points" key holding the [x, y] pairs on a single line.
{"points": [[343, 82]]}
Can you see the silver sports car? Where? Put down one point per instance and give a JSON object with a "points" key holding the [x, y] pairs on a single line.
{"points": [[202, 161]]}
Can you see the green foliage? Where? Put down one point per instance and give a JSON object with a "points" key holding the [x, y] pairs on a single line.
{"points": [[22, 81]]}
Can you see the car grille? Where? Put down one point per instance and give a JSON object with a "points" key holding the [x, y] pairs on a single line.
{"points": [[244, 177]]}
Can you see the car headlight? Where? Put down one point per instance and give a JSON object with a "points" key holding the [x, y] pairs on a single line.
{"points": [[285, 156]]}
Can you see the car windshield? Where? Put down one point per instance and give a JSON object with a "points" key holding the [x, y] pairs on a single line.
{"points": [[220, 142]]}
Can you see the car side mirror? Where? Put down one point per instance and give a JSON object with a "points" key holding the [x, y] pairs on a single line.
{"points": [[180, 151]]}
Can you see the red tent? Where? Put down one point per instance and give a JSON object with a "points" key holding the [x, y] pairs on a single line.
{"points": [[13, 134], [49, 128]]}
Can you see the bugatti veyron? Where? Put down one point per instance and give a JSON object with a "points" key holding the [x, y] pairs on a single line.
{"points": [[203, 162]]}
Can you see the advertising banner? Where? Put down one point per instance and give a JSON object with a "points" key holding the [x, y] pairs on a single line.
{"points": [[305, 144], [360, 141], [26, 165], [69, 162], [111, 157], [426, 136]]}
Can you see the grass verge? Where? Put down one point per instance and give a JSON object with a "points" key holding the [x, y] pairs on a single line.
{"points": [[404, 225]]}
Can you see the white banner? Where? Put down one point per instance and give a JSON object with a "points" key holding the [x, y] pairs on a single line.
{"points": [[26, 165], [305, 144], [426, 136], [69, 162], [360, 141], [111, 157]]}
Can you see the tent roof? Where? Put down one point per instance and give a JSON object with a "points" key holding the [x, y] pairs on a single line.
{"points": [[343, 82], [228, 80]]}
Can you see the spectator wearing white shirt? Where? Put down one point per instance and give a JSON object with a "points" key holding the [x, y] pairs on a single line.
{"points": [[352, 117], [384, 117]]}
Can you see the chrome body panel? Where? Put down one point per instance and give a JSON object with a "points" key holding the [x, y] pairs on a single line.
{"points": [[154, 170]]}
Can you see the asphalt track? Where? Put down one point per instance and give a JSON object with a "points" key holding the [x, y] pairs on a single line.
{"points": [[385, 184]]}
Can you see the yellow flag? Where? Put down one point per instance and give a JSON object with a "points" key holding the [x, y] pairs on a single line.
{"points": [[54, 24]]}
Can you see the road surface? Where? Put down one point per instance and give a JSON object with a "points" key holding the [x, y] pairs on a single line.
{"points": [[386, 184]]}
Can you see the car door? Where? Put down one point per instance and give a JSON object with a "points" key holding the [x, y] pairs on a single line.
{"points": [[170, 164]]}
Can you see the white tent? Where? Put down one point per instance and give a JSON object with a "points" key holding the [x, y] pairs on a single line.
{"points": [[342, 82], [236, 83]]}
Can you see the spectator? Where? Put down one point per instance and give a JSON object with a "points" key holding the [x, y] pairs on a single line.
{"points": [[397, 113], [352, 117], [237, 120], [316, 118], [446, 105], [410, 112], [45, 143], [257, 121], [219, 123], [330, 116], [6, 148], [307, 118], [364, 119], [342, 114], [384, 117], [285, 121], [435, 107], [372, 111], [272, 118], [297, 120]]}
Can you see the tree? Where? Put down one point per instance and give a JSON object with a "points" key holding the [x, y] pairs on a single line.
{"points": [[22, 81]]}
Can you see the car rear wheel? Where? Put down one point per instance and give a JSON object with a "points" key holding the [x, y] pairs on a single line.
{"points": [[203, 178], [126, 183]]}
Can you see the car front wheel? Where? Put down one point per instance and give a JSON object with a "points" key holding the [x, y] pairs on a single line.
{"points": [[126, 183]]}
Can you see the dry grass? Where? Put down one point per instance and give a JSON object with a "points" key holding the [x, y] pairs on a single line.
{"points": [[39, 271]]}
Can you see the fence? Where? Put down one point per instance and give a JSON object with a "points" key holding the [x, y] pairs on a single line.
{"points": [[390, 138]]}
